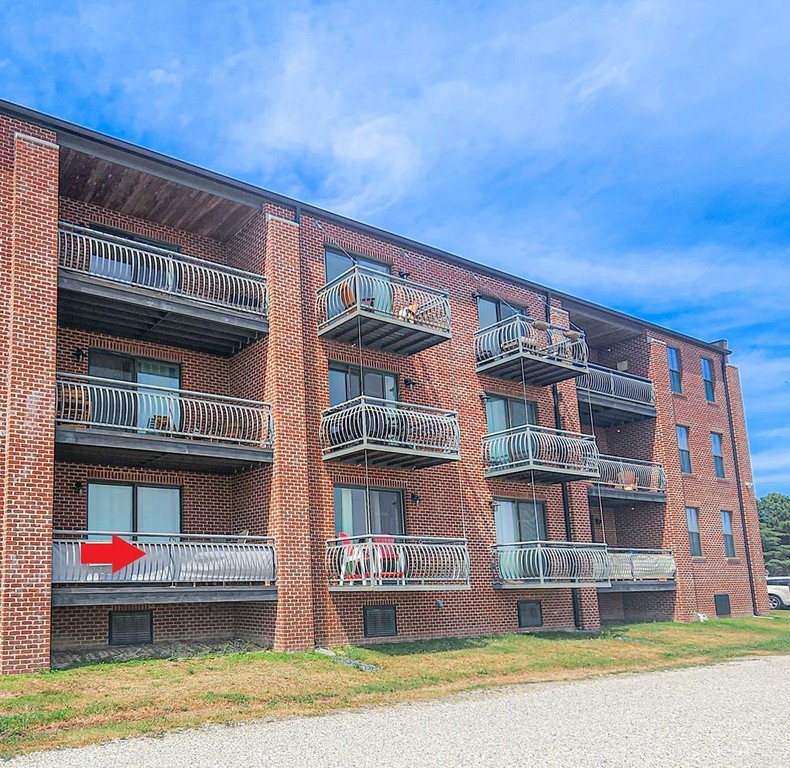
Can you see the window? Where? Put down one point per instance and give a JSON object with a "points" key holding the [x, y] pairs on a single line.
{"points": [[490, 311], [707, 378], [726, 529], [380, 620], [131, 627], [718, 456], [683, 449], [518, 521], [509, 412], [159, 412], [530, 613], [359, 514], [338, 262], [129, 508], [695, 542], [345, 383], [675, 373]]}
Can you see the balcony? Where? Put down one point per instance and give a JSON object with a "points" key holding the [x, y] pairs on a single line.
{"points": [[626, 481], [104, 421], [374, 309], [388, 433], [641, 570], [395, 563], [535, 352], [176, 568], [614, 397], [124, 288], [549, 564], [540, 454]]}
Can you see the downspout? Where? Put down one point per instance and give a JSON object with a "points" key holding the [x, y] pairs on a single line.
{"points": [[566, 503], [736, 462]]}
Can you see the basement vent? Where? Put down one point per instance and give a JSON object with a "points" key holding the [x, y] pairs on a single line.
{"points": [[722, 603], [530, 613], [131, 627], [380, 620]]}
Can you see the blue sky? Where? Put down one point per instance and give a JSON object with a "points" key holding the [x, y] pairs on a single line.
{"points": [[634, 153]]}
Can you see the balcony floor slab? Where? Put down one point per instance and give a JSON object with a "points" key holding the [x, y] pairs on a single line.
{"points": [[101, 305], [131, 594], [377, 331], [610, 411], [395, 457], [542, 475], [99, 446], [643, 585], [531, 369], [618, 497]]}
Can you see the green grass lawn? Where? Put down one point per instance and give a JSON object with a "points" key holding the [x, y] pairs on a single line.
{"points": [[103, 701]]}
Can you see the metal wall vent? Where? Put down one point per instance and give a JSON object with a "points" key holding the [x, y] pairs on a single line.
{"points": [[380, 620], [722, 603], [131, 627], [530, 613]]}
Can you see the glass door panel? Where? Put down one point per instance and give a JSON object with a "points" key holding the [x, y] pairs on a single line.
{"points": [[158, 411], [110, 508], [158, 511], [112, 406], [350, 512]]}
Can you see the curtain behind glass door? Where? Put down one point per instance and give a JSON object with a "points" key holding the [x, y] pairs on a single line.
{"points": [[158, 511], [111, 407], [110, 508]]}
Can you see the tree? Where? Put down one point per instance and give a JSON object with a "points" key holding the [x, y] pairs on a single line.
{"points": [[774, 512]]}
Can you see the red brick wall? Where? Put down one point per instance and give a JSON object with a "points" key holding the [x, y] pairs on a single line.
{"points": [[79, 627], [28, 212]]}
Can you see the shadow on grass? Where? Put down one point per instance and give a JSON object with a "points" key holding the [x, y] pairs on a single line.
{"points": [[475, 643]]}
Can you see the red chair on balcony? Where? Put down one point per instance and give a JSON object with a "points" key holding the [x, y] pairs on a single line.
{"points": [[387, 558]]}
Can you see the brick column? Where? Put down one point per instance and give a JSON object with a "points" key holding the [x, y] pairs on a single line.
{"points": [[665, 451], [289, 505], [30, 267], [747, 489]]}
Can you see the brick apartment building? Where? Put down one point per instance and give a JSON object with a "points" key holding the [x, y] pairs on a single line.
{"points": [[320, 432]]}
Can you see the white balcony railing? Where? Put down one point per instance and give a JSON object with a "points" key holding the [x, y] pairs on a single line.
{"points": [[540, 448], [631, 475], [393, 562], [382, 295], [550, 563], [641, 565], [169, 559], [126, 261], [89, 401], [369, 421], [520, 335], [617, 385]]}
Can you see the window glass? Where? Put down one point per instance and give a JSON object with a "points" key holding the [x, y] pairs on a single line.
{"points": [[158, 511], [695, 543], [385, 515], [675, 374], [508, 412], [338, 262], [707, 377], [718, 456], [726, 528], [486, 312], [344, 384], [518, 521], [683, 449], [110, 508]]}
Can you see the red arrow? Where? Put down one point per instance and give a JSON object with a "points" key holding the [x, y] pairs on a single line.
{"points": [[118, 553]]}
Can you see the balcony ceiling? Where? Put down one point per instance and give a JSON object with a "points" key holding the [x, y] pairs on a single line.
{"points": [[601, 329], [144, 195]]}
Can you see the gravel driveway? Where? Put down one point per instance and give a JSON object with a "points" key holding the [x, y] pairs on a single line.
{"points": [[729, 715]]}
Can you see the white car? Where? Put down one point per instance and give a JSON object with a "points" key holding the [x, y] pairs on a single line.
{"points": [[779, 591]]}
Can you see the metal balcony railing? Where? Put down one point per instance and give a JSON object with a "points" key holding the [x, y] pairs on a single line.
{"points": [[531, 447], [631, 475], [126, 261], [366, 290], [618, 385], [89, 402], [393, 562], [369, 421], [520, 335], [550, 564], [641, 565], [169, 559]]}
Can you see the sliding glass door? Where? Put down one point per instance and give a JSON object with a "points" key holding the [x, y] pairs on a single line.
{"points": [[130, 508]]}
